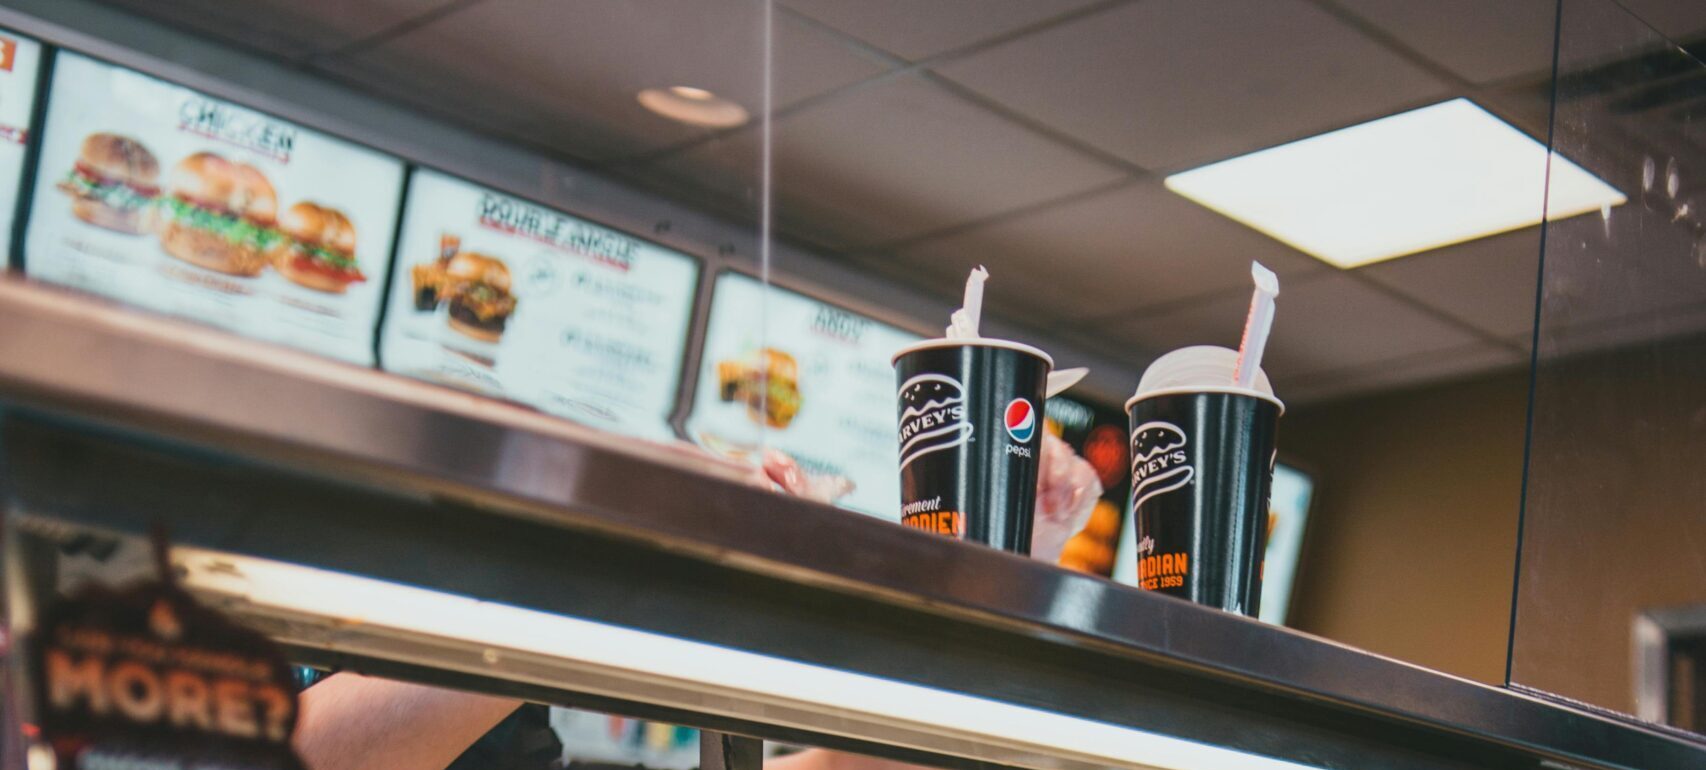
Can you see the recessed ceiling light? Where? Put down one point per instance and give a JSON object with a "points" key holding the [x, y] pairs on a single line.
{"points": [[689, 92], [693, 106], [1402, 184]]}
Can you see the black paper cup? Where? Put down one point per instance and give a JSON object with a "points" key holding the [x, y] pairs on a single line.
{"points": [[1202, 463], [971, 435]]}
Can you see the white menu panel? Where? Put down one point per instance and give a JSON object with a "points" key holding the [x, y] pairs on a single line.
{"points": [[504, 297], [785, 371], [172, 200]]}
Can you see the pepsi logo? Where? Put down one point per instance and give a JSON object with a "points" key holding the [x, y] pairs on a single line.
{"points": [[1021, 420]]}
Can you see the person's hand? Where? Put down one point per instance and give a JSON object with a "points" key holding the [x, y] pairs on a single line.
{"points": [[1067, 491], [783, 471]]}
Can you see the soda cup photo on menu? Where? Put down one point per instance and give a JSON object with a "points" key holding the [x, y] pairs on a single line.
{"points": [[1203, 443], [970, 431]]}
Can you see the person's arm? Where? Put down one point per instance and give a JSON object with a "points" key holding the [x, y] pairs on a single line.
{"points": [[824, 759], [353, 722]]}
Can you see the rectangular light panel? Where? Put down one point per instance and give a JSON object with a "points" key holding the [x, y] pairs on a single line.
{"points": [[1402, 184], [735, 676]]}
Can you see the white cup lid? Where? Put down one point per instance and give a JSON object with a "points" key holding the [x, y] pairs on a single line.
{"points": [[960, 342], [1199, 369]]}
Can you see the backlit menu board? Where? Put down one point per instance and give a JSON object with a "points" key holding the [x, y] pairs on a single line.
{"points": [[20, 62], [166, 198], [785, 371], [504, 297]]}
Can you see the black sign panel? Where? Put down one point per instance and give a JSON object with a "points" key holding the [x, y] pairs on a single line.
{"points": [[145, 677]]}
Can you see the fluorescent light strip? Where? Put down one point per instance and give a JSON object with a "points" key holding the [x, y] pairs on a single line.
{"points": [[367, 603], [1402, 184]]}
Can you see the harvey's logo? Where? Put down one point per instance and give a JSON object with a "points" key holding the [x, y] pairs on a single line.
{"points": [[1159, 462], [237, 127], [932, 416]]}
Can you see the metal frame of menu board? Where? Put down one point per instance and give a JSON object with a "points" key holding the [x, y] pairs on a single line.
{"points": [[32, 151]]}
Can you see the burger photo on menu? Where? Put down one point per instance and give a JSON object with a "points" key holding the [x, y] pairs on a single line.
{"points": [[114, 181], [473, 288], [220, 215], [316, 248], [768, 383], [187, 205], [507, 297]]}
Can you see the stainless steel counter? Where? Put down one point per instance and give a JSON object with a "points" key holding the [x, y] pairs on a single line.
{"points": [[119, 420]]}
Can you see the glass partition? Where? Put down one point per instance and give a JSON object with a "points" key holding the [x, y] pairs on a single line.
{"points": [[1612, 587]]}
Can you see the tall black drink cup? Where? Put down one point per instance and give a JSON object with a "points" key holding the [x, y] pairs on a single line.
{"points": [[971, 428], [1202, 471]]}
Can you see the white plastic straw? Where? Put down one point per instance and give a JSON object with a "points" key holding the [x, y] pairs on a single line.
{"points": [[964, 322], [1257, 326]]}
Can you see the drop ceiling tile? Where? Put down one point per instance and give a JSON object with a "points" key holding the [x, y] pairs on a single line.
{"points": [[1110, 253], [1169, 84], [896, 159], [1411, 371], [915, 30], [1681, 20], [1488, 283], [292, 29], [1477, 40], [565, 72], [1324, 323]]}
